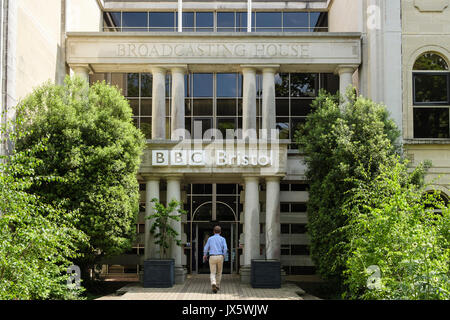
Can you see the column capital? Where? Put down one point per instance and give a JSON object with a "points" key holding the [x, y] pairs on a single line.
{"points": [[249, 178], [158, 69], [174, 177], [151, 178], [81, 67], [270, 68], [345, 68], [247, 68], [261, 67], [180, 68], [273, 178]]}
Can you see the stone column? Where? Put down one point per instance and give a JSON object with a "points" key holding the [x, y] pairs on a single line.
{"points": [[81, 70], [174, 193], [151, 192], [249, 102], [251, 226], [268, 100], [178, 103], [345, 78], [273, 227], [159, 103]]}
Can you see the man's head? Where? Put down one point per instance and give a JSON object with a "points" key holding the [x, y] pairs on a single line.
{"points": [[217, 230]]}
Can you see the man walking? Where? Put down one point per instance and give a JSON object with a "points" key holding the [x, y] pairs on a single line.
{"points": [[217, 248]]}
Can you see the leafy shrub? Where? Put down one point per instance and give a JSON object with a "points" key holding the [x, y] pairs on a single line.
{"points": [[395, 227]]}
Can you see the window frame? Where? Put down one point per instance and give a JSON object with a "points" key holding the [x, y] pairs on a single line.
{"points": [[431, 103]]}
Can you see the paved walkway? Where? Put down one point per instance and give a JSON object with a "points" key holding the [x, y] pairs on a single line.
{"points": [[197, 287]]}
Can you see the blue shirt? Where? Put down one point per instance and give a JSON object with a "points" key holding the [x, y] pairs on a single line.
{"points": [[216, 245]]}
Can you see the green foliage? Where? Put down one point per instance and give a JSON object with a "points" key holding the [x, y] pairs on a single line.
{"points": [[37, 239], [395, 227], [342, 144], [93, 146], [161, 224]]}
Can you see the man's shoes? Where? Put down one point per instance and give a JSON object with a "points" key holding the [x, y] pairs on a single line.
{"points": [[214, 288]]}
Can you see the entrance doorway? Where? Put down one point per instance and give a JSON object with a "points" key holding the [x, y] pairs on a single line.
{"points": [[211, 205]]}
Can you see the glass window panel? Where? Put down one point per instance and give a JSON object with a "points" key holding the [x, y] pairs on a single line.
{"points": [[203, 84], [296, 29], [206, 124], [187, 86], [201, 208], [96, 77], [430, 88], [134, 104], [282, 107], [430, 61], [295, 20], [229, 188], [227, 85], [111, 19], [330, 82], [304, 84], [282, 85], [146, 85], [298, 207], [203, 107], [202, 189], [132, 85], [146, 127], [187, 124], [300, 107], [146, 107], [226, 107], [188, 107], [431, 123], [298, 228], [239, 107], [162, 20], [226, 123], [299, 250], [296, 124], [225, 29], [318, 20], [223, 210], [268, 19], [168, 85], [283, 126], [284, 187], [241, 21], [285, 226], [134, 19], [188, 21], [135, 122], [299, 187], [119, 80], [204, 21], [240, 83], [225, 19]]}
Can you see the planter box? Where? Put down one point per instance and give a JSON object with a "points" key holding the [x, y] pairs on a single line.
{"points": [[159, 273], [266, 274]]}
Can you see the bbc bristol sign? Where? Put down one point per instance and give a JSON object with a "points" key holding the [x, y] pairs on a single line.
{"points": [[217, 158]]}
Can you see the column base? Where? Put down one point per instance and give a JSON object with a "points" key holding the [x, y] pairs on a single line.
{"points": [[245, 274], [180, 275]]}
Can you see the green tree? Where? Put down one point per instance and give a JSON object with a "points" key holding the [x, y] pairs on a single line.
{"points": [[161, 224], [38, 240], [93, 146], [342, 143], [395, 227]]}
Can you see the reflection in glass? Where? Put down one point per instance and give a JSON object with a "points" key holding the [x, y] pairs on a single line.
{"points": [[146, 85], [283, 126], [330, 82], [303, 84], [430, 88], [225, 21], [268, 21], [134, 104], [132, 85], [297, 123], [226, 85], [146, 127], [431, 123], [205, 123], [203, 84], [430, 61], [225, 210], [225, 123], [282, 85]]}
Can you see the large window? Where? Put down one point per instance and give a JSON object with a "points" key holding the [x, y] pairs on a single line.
{"points": [[431, 97], [294, 94], [216, 21]]}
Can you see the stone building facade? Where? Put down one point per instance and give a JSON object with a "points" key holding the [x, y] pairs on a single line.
{"points": [[189, 68]]}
